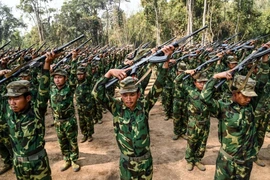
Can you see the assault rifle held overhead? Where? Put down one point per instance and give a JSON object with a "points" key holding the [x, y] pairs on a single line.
{"points": [[15, 72], [67, 57], [251, 58], [4, 45], [154, 58]]}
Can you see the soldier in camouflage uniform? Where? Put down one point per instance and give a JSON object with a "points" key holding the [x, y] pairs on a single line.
{"points": [[65, 123], [198, 119], [26, 126], [167, 94], [237, 126], [85, 102], [180, 118], [130, 119], [5, 143]]}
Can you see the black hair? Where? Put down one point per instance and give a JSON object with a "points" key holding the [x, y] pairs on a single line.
{"points": [[27, 94]]}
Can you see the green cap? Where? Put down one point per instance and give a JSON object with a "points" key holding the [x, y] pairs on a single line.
{"points": [[81, 70], [17, 88], [128, 85], [232, 59], [25, 73], [181, 66], [248, 89], [201, 77], [60, 72]]}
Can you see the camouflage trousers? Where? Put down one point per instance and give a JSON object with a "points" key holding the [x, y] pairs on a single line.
{"points": [[33, 169], [6, 152], [180, 118], [98, 111], [136, 170], [86, 120], [67, 133], [167, 101], [262, 120], [197, 138], [227, 169]]}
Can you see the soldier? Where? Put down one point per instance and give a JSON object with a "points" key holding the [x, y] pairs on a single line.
{"points": [[65, 123], [130, 119], [85, 102], [26, 126], [180, 118], [198, 119], [237, 127], [5, 143]]}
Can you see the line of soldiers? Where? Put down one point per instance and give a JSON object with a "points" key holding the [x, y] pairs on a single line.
{"points": [[190, 111]]}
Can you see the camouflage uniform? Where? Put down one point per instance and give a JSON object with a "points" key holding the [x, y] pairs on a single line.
{"points": [[27, 131], [198, 120], [167, 94], [5, 144], [180, 112], [64, 116], [237, 129], [85, 102], [131, 127]]}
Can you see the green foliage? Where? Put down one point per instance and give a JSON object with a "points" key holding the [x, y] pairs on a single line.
{"points": [[8, 25], [106, 23]]}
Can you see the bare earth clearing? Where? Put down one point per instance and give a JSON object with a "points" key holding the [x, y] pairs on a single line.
{"points": [[99, 158]]}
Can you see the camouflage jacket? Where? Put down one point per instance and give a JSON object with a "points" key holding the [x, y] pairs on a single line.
{"points": [[62, 99], [27, 128], [83, 90], [131, 127], [237, 126], [197, 110]]}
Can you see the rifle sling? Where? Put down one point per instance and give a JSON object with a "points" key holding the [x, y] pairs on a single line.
{"points": [[247, 76], [146, 74]]}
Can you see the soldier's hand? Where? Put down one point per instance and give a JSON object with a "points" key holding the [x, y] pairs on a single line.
{"points": [[118, 73], [75, 54], [4, 71], [50, 56], [190, 71], [222, 75]]}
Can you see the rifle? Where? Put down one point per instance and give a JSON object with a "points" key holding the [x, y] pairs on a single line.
{"points": [[36, 52], [31, 63], [213, 59], [134, 54], [18, 54], [145, 45], [153, 58], [233, 36], [67, 57], [259, 53], [5, 45]]}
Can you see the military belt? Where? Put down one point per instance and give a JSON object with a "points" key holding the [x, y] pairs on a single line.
{"points": [[138, 158], [232, 158], [32, 157]]}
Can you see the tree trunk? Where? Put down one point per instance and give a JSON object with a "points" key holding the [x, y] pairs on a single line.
{"points": [[39, 23], [157, 25], [190, 22], [204, 19]]}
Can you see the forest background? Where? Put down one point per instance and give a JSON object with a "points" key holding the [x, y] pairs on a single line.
{"points": [[157, 21]]}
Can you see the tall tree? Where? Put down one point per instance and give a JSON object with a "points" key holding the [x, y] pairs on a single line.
{"points": [[35, 8], [9, 25]]}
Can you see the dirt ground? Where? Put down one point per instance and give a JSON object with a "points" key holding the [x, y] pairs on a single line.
{"points": [[99, 158]]}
